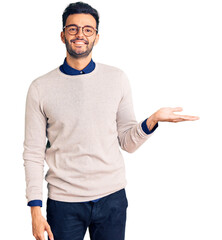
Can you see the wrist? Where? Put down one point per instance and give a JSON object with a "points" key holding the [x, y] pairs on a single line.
{"points": [[36, 211], [152, 121], [154, 117]]}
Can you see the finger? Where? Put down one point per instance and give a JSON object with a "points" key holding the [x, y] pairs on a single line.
{"points": [[185, 118], [48, 229], [41, 237], [174, 121], [189, 118]]}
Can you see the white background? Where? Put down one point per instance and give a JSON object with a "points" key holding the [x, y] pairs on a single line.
{"points": [[172, 53]]}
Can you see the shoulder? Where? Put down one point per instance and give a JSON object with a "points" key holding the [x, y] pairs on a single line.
{"points": [[115, 74], [110, 69], [45, 78]]}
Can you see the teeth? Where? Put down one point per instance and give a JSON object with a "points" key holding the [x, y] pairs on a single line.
{"points": [[78, 42]]}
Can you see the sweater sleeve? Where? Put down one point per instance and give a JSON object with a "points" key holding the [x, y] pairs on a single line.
{"points": [[34, 145], [130, 132]]}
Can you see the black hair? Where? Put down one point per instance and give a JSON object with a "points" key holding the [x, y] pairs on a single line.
{"points": [[80, 7]]}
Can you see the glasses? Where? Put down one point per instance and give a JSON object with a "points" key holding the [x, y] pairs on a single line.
{"points": [[73, 29]]}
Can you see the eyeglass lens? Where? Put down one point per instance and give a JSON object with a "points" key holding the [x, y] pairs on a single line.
{"points": [[87, 31]]}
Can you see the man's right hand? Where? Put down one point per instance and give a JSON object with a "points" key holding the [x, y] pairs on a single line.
{"points": [[39, 224]]}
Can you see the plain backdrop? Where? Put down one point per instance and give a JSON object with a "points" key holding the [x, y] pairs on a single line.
{"points": [[172, 53]]}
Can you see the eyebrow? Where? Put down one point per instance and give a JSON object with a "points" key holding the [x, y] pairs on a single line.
{"points": [[78, 26]]}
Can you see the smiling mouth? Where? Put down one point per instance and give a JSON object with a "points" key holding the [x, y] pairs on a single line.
{"points": [[79, 42]]}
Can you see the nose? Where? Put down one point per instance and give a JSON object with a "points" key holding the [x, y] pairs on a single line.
{"points": [[80, 32]]}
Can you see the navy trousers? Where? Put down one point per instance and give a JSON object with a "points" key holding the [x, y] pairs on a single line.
{"points": [[106, 219]]}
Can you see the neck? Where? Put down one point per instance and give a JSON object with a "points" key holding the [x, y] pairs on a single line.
{"points": [[79, 63]]}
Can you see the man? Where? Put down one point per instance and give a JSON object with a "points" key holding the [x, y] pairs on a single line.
{"points": [[85, 110]]}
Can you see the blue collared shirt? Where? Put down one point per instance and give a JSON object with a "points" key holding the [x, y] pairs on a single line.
{"points": [[65, 68]]}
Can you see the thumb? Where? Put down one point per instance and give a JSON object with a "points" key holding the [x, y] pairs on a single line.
{"points": [[48, 229]]}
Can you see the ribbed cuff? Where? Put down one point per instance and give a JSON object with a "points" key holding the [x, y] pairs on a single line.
{"points": [[146, 129], [34, 203]]}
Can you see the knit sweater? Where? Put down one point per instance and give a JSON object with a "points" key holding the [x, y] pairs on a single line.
{"points": [[85, 118]]}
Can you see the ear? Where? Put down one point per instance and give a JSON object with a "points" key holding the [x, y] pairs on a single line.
{"points": [[97, 39], [62, 35]]}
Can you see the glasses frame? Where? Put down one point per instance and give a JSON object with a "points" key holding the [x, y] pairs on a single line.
{"points": [[78, 27]]}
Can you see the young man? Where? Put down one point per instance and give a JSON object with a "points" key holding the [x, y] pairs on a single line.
{"points": [[85, 110]]}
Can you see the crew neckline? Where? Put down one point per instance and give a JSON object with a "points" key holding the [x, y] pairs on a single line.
{"points": [[84, 75]]}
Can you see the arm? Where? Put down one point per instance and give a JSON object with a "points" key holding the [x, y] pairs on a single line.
{"points": [[34, 144], [131, 134], [34, 155]]}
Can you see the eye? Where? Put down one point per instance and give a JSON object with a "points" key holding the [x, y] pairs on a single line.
{"points": [[88, 30], [72, 29]]}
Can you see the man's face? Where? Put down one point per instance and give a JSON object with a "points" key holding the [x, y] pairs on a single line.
{"points": [[80, 46]]}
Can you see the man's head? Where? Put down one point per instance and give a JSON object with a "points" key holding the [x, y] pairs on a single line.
{"points": [[80, 41]]}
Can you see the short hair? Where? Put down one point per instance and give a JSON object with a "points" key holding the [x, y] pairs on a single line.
{"points": [[80, 7]]}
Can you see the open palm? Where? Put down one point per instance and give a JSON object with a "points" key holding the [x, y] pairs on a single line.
{"points": [[167, 115]]}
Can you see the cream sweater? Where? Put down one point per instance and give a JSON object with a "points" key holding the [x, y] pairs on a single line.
{"points": [[85, 119]]}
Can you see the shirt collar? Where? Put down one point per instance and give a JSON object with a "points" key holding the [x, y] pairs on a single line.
{"points": [[65, 68]]}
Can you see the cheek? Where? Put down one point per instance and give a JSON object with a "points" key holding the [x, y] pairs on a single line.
{"points": [[65, 39], [94, 42]]}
